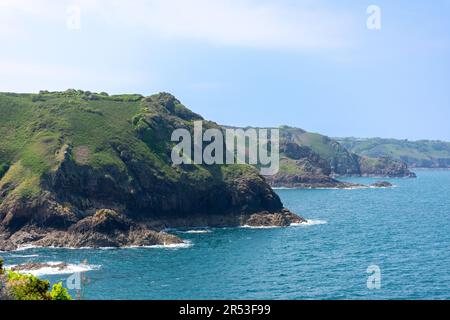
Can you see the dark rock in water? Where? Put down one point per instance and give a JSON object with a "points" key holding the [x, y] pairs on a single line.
{"points": [[381, 184], [266, 219], [30, 266], [309, 181]]}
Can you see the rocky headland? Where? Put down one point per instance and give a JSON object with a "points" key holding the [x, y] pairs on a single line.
{"points": [[310, 160], [80, 169]]}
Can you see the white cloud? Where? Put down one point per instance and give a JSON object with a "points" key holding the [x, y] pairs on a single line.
{"points": [[252, 24], [241, 23], [244, 23]]}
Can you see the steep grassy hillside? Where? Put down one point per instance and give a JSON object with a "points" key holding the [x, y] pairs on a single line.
{"points": [[339, 160], [424, 153], [312, 160], [87, 162]]}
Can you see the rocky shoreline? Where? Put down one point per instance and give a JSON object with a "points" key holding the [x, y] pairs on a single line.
{"points": [[118, 186], [296, 181], [108, 228]]}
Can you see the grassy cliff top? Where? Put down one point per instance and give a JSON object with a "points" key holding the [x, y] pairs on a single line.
{"points": [[39, 130]]}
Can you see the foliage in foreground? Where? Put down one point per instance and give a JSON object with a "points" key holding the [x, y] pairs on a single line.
{"points": [[15, 286]]}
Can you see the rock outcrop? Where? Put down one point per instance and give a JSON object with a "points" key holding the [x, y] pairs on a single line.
{"points": [[95, 171], [382, 184]]}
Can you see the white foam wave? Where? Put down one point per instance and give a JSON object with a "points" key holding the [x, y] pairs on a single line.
{"points": [[346, 188], [323, 188], [27, 247], [186, 244], [259, 227], [309, 222], [374, 187], [54, 269], [195, 231], [24, 256]]}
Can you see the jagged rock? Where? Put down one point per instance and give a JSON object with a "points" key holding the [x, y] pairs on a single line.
{"points": [[267, 219], [106, 228]]}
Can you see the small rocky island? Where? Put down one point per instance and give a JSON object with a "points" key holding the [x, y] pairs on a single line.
{"points": [[382, 184], [80, 169]]}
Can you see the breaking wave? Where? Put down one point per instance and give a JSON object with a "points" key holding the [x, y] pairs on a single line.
{"points": [[309, 222], [54, 268]]}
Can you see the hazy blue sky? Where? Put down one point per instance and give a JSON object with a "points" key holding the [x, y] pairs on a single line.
{"points": [[310, 64]]}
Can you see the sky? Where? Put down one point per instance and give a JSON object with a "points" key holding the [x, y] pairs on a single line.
{"points": [[317, 64]]}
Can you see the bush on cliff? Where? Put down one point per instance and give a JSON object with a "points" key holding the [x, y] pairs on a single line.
{"points": [[16, 286]]}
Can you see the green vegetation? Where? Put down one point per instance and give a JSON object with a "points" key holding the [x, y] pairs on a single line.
{"points": [[17, 286], [423, 153], [88, 148], [329, 156], [324, 146], [289, 166], [59, 292], [35, 128]]}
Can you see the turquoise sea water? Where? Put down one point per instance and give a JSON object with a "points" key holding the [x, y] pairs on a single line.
{"points": [[404, 230]]}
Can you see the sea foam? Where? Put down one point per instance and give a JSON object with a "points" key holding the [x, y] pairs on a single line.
{"points": [[53, 269], [310, 222], [186, 244], [195, 231], [260, 227]]}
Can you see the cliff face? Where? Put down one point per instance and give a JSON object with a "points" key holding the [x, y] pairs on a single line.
{"points": [[83, 169], [310, 160], [384, 167], [301, 167], [338, 158]]}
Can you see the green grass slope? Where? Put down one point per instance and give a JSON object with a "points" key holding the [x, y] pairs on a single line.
{"points": [[78, 151]]}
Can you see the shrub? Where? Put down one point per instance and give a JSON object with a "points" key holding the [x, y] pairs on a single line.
{"points": [[16, 286], [59, 292], [28, 287]]}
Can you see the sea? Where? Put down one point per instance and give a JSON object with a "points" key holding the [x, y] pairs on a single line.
{"points": [[388, 243]]}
